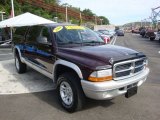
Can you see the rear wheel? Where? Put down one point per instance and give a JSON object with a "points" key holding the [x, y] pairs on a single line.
{"points": [[152, 39], [70, 92], [20, 67]]}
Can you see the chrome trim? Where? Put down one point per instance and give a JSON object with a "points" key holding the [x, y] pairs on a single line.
{"points": [[132, 68], [124, 70], [38, 68]]}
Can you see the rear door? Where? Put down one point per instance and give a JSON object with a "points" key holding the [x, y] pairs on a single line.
{"points": [[30, 49], [19, 38]]}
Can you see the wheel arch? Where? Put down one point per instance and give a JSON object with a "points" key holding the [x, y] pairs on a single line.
{"points": [[16, 50], [62, 66]]}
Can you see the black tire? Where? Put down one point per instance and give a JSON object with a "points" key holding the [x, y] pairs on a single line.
{"points": [[78, 97], [151, 39], [20, 67], [159, 40]]}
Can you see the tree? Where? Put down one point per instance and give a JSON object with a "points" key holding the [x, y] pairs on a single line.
{"points": [[3, 2], [52, 1], [87, 12], [105, 20]]}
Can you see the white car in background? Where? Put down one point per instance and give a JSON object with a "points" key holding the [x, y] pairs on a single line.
{"points": [[157, 36], [105, 38], [106, 32]]}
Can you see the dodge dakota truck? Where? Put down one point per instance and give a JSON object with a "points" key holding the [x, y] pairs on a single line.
{"points": [[80, 64]]}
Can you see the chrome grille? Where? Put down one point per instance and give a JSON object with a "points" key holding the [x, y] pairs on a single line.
{"points": [[124, 66], [128, 68]]}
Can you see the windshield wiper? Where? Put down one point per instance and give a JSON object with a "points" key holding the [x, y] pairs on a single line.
{"points": [[70, 42], [93, 43]]}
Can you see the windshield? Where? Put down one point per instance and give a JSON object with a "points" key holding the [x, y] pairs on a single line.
{"points": [[77, 35]]}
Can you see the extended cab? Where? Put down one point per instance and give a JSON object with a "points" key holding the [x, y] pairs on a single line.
{"points": [[79, 63]]}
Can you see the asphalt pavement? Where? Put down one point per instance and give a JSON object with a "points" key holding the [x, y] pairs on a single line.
{"points": [[44, 105], [5, 53]]}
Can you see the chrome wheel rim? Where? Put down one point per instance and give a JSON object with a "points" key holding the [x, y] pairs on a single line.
{"points": [[17, 63], [66, 93]]}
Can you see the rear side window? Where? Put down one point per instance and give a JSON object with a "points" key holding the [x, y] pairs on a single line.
{"points": [[21, 31], [19, 34]]}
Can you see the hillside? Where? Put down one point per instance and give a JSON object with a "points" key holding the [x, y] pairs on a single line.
{"points": [[50, 9]]}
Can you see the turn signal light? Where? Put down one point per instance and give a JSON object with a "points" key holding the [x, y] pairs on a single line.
{"points": [[101, 79]]}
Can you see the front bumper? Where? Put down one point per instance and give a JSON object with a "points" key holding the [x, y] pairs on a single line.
{"points": [[111, 89]]}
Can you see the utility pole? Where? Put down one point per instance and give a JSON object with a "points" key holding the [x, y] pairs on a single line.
{"points": [[2, 14], [154, 15], [66, 15], [12, 5], [95, 20], [56, 19], [101, 21], [12, 13]]}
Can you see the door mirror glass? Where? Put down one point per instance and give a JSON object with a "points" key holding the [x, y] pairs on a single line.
{"points": [[42, 40]]}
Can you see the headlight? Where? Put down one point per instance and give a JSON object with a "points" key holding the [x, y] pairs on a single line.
{"points": [[102, 75]]}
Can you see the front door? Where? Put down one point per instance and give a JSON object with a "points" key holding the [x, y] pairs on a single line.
{"points": [[45, 55]]}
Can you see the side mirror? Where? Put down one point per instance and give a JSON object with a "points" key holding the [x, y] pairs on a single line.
{"points": [[42, 40]]}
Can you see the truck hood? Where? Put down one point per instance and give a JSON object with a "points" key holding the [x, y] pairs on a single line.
{"points": [[94, 56]]}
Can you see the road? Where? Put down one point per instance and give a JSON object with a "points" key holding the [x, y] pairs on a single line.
{"points": [[44, 105], [5, 53]]}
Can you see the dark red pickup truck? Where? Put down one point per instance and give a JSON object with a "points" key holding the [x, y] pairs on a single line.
{"points": [[80, 64]]}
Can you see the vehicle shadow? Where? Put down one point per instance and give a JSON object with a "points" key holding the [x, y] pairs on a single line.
{"points": [[32, 77], [51, 98], [90, 103]]}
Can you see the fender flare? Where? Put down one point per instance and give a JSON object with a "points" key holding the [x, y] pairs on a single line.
{"points": [[68, 64]]}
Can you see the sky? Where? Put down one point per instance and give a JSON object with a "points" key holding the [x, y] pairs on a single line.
{"points": [[118, 12]]}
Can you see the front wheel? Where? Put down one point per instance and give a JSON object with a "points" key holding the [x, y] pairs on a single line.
{"points": [[70, 92]]}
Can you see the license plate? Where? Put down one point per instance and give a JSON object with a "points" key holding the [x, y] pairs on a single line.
{"points": [[131, 91]]}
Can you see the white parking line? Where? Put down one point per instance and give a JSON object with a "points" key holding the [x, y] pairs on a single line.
{"points": [[7, 54], [114, 40], [5, 49]]}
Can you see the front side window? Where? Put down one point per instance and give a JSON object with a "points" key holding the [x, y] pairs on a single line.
{"points": [[45, 33]]}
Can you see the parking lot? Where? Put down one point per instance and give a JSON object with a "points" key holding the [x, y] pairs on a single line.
{"points": [[30, 96]]}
